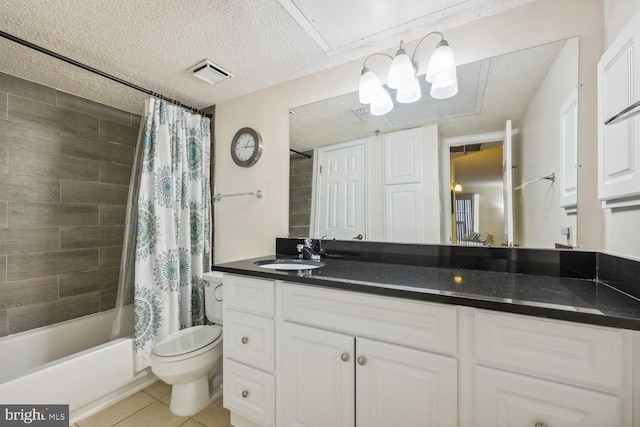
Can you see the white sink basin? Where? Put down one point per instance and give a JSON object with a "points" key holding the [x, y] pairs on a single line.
{"points": [[289, 264]]}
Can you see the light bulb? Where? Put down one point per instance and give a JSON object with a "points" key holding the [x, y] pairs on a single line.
{"points": [[369, 86], [442, 64], [410, 94], [401, 72], [382, 104], [444, 89]]}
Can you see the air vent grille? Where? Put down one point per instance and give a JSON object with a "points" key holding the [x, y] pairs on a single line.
{"points": [[210, 72], [362, 113]]}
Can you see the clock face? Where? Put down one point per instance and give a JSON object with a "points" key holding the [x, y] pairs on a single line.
{"points": [[246, 147]]}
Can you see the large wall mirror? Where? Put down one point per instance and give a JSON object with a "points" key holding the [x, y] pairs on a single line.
{"points": [[494, 165]]}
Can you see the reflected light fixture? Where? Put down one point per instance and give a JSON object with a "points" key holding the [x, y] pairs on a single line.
{"points": [[441, 73], [458, 187]]}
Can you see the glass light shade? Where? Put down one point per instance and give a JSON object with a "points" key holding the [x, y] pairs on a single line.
{"points": [[369, 86], [458, 187], [442, 65], [382, 104], [445, 89], [401, 72], [411, 95]]}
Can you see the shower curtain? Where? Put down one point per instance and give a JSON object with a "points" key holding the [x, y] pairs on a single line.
{"points": [[170, 213]]}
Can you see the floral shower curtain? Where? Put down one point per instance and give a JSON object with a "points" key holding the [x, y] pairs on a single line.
{"points": [[173, 226]]}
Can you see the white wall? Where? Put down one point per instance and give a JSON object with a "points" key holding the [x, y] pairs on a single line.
{"points": [[622, 226], [247, 227], [491, 210], [539, 147]]}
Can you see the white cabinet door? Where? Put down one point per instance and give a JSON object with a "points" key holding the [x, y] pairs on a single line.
{"points": [[403, 157], [619, 143], [399, 386], [317, 377], [404, 219], [511, 400]]}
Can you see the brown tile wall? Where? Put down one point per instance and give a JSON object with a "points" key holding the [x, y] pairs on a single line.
{"points": [[65, 164], [300, 179]]}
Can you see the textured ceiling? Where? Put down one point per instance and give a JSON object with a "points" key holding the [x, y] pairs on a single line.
{"points": [[152, 43]]}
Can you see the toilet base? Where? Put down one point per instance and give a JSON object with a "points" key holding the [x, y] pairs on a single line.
{"points": [[191, 398]]}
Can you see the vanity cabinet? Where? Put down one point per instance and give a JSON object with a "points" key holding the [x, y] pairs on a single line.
{"points": [[342, 379], [539, 372], [248, 339], [619, 143], [324, 357]]}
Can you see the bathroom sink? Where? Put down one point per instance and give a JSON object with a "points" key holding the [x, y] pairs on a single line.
{"points": [[289, 264]]}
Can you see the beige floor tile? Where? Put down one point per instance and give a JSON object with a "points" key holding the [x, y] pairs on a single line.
{"points": [[118, 411], [215, 415], [155, 415], [166, 399], [158, 389], [192, 423]]}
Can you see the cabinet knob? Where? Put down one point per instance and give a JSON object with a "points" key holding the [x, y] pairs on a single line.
{"points": [[361, 360], [540, 424], [245, 340], [245, 393], [344, 357]]}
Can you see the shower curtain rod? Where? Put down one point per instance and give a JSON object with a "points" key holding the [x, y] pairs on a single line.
{"points": [[98, 72]]}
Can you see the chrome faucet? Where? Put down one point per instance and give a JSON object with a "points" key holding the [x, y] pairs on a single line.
{"points": [[307, 250]]}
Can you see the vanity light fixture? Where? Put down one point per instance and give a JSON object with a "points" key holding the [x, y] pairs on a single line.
{"points": [[441, 73], [458, 187]]}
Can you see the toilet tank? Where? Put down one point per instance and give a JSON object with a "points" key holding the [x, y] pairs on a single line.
{"points": [[213, 296]]}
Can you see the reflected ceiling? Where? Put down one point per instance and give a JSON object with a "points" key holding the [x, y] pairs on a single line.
{"points": [[490, 92]]}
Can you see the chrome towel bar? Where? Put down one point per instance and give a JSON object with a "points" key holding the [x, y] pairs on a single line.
{"points": [[623, 114], [551, 177], [219, 197]]}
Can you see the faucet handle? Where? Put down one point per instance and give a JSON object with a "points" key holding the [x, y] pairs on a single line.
{"points": [[308, 242]]}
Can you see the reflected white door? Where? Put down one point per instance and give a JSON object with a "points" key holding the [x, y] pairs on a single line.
{"points": [[340, 189], [507, 182]]}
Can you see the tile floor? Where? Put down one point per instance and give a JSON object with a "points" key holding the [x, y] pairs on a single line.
{"points": [[150, 407]]}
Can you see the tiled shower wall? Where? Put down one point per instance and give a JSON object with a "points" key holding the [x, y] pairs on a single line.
{"points": [[300, 183], [65, 164]]}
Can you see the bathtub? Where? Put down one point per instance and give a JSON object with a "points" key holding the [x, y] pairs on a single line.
{"points": [[70, 363]]}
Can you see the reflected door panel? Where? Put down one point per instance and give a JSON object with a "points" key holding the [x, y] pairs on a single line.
{"points": [[341, 184]]}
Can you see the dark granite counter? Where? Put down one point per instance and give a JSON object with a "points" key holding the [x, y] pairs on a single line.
{"points": [[578, 299]]}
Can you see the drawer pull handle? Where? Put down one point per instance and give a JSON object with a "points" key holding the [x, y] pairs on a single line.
{"points": [[245, 340], [245, 394], [344, 357], [361, 360], [541, 425]]}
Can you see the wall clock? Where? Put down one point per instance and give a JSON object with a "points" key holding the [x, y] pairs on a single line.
{"points": [[246, 147]]}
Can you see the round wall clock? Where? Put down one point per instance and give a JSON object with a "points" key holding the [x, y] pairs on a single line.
{"points": [[246, 147]]}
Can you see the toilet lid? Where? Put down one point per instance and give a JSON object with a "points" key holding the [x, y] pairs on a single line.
{"points": [[187, 340]]}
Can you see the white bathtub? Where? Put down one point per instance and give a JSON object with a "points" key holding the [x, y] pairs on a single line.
{"points": [[70, 363]]}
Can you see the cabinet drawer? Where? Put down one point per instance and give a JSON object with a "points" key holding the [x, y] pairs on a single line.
{"points": [[585, 355], [249, 339], [249, 294], [249, 392], [505, 399], [412, 323]]}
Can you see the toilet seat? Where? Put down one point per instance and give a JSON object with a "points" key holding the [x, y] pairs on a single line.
{"points": [[188, 342]]}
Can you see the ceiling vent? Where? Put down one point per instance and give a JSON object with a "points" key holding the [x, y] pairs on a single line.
{"points": [[210, 72], [362, 113]]}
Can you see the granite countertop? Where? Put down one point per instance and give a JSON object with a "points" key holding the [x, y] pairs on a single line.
{"points": [[579, 300]]}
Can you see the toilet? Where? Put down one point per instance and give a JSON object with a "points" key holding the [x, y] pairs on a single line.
{"points": [[190, 360]]}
